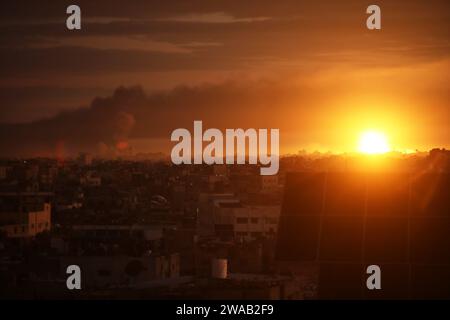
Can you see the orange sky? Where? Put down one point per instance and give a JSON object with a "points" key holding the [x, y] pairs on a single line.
{"points": [[311, 69]]}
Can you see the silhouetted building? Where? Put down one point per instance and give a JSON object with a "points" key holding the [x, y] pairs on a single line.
{"points": [[343, 222], [24, 215]]}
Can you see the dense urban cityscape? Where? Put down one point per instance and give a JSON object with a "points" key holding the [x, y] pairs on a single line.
{"points": [[151, 229]]}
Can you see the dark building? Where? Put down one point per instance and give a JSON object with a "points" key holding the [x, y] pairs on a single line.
{"points": [[342, 222]]}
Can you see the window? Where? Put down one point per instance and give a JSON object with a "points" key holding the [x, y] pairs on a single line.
{"points": [[242, 220], [256, 234], [272, 220], [254, 220]]}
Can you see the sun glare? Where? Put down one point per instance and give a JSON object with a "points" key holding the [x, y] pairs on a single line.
{"points": [[373, 142]]}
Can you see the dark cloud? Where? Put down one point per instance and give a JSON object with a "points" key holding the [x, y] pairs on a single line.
{"points": [[35, 41], [131, 114], [76, 60], [25, 104], [82, 129], [47, 9]]}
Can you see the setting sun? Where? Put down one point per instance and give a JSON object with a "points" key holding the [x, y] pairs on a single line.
{"points": [[373, 142]]}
